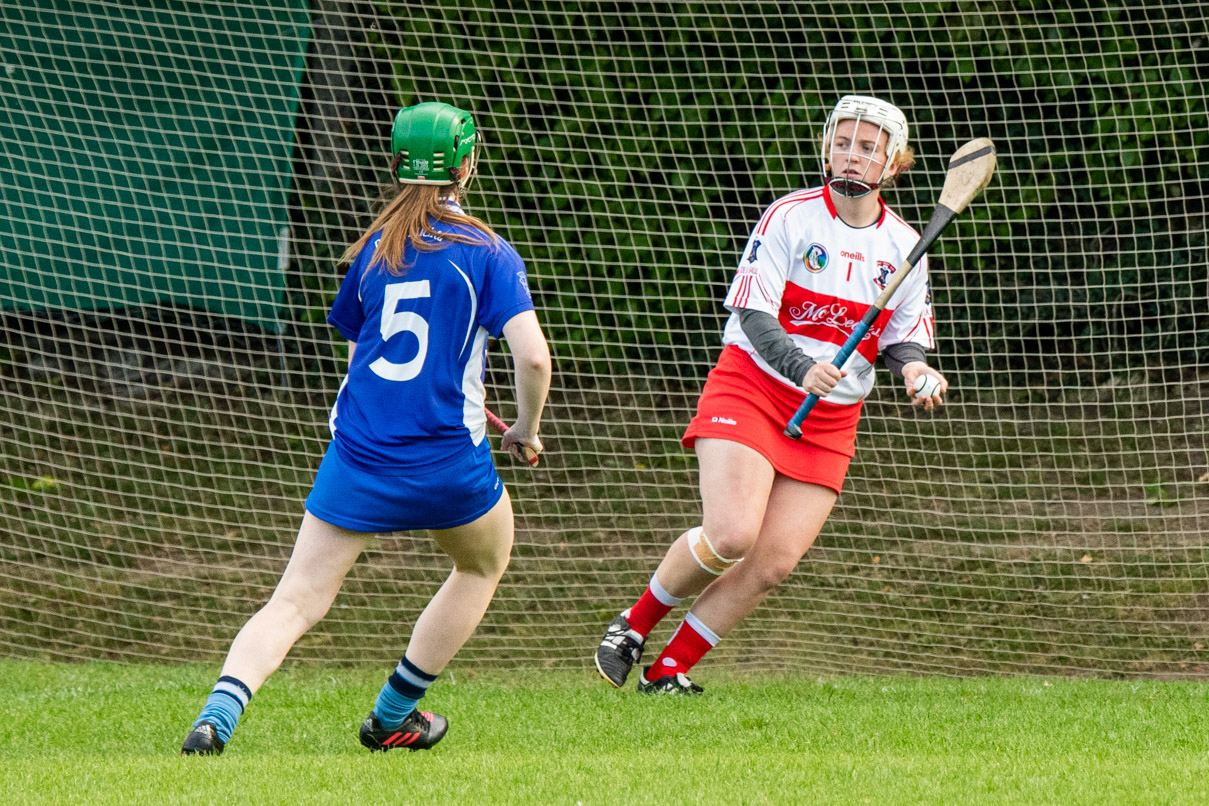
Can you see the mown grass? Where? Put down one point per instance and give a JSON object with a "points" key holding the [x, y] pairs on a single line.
{"points": [[109, 734]]}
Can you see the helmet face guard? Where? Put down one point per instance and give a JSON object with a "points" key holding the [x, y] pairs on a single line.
{"points": [[863, 109], [429, 142]]}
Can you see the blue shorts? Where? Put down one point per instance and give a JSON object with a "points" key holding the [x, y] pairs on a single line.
{"points": [[350, 497]]}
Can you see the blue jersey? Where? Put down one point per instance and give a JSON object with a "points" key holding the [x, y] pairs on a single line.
{"points": [[413, 397]]}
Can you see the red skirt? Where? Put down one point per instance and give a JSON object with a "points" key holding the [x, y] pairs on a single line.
{"points": [[741, 403]]}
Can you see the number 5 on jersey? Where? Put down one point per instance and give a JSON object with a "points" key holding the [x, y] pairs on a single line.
{"points": [[395, 322]]}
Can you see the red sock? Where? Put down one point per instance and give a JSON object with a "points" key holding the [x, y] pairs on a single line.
{"points": [[681, 653], [647, 612]]}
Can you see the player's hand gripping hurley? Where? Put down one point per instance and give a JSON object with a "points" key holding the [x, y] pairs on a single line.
{"points": [[970, 170], [523, 452]]}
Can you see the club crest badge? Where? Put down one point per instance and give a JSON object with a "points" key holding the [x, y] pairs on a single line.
{"points": [[816, 257], [884, 270], [751, 256]]}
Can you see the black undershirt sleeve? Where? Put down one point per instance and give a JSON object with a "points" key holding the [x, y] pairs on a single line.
{"points": [[773, 344], [899, 355]]}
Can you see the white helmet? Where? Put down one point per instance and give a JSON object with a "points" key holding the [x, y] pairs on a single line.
{"points": [[887, 116]]}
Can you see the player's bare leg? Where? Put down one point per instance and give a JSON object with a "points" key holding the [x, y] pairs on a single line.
{"points": [[322, 557], [735, 483], [480, 551], [792, 520], [795, 515]]}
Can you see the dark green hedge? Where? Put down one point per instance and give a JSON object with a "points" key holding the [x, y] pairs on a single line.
{"points": [[632, 146]]}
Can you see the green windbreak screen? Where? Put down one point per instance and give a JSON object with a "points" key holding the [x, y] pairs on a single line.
{"points": [[147, 153]]}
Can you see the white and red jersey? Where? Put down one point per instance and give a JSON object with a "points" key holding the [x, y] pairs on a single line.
{"points": [[819, 276]]}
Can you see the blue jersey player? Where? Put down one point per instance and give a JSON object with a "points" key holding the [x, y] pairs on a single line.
{"points": [[427, 285]]}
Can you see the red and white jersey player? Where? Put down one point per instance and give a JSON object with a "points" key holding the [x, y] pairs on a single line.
{"points": [[818, 276]]}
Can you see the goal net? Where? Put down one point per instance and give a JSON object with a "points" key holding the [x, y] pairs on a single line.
{"points": [[177, 181]]}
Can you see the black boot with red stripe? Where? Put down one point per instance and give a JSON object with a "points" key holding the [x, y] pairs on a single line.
{"points": [[420, 730]]}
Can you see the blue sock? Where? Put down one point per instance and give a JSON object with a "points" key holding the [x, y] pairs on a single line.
{"points": [[402, 690], [225, 705]]}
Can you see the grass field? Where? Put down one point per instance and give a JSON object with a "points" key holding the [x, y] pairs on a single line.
{"points": [[107, 733]]}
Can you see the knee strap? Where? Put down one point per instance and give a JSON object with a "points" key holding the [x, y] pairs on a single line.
{"points": [[704, 554]]}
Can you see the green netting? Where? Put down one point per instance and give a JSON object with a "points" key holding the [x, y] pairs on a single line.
{"points": [[1051, 518]]}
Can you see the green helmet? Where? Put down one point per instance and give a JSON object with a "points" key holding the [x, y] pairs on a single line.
{"points": [[428, 140]]}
